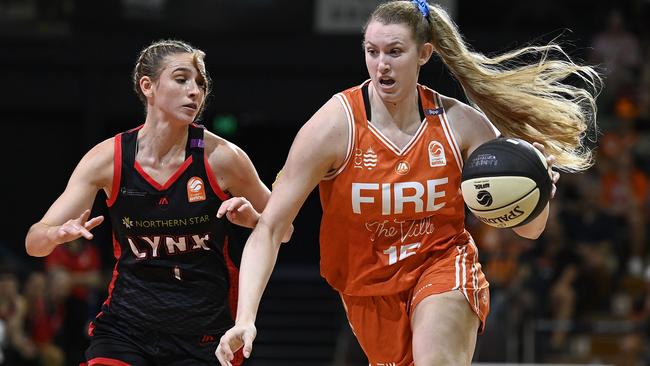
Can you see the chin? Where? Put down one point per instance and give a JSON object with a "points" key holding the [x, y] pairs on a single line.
{"points": [[185, 119]]}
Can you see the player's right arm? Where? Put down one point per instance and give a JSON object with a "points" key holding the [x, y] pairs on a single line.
{"points": [[319, 147], [68, 217]]}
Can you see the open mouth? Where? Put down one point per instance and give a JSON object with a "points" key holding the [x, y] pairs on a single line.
{"points": [[386, 81]]}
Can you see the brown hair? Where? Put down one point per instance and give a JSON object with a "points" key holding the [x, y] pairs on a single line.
{"points": [[150, 63], [529, 100]]}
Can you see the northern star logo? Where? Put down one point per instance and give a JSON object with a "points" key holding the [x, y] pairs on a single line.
{"points": [[165, 223], [127, 222]]}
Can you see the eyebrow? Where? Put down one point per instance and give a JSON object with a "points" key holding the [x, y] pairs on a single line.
{"points": [[182, 68], [393, 43]]}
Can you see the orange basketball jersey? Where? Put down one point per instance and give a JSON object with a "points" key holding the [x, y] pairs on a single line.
{"points": [[388, 212]]}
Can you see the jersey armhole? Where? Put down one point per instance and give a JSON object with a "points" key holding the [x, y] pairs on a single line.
{"points": [[117, 170], [351, 133], [449, 133], [213, 179]]}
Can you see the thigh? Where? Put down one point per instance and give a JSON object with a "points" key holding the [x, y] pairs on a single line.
{"points": [[381, 325], [444, 330], [450, 304]]}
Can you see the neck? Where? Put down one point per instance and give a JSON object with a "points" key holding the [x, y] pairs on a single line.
{"points": [[402, 113], [159, 139]]}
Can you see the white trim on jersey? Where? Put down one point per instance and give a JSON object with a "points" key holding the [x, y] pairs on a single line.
{"points": [[444, 122], [475, 275], [464, 260], [457, 265], [351, 134], [391, 146]]}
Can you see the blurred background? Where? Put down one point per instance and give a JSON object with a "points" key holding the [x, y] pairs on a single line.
{"points": [[579, 294]]}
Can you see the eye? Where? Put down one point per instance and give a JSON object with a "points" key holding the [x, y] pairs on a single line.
{"points": [[395, 51], [181, 80], [371, 51]]}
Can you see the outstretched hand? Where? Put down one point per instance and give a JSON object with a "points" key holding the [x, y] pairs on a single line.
{"points": [[76, 228], [239, 211], [550, 161], [235, 338]]}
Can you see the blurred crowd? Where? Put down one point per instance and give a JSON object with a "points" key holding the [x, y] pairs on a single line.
{"points": [[44, 311], [581, 293]]}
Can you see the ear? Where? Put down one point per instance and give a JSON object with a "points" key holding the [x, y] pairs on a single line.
{"points": [[146, 85], [425, 53]]}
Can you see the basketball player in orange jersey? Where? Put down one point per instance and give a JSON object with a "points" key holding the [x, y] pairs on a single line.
{"points": [[169, 183], [387, 156]]}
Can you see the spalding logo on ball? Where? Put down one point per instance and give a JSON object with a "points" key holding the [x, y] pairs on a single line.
{"points": [[505, 182]]}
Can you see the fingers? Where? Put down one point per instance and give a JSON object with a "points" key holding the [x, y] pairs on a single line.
{"points": [[84, 215], [224, 353], [234, 204], [75, 228], [85, 233], [248, 344], [223, 208], [555, 176], [94, 222]]}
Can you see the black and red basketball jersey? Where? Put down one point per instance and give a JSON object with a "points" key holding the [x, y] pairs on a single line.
{"points": [[173, 273]]}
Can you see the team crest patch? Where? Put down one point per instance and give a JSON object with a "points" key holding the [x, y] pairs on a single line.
{"points": [[366, 160], [436, 154], [370, 159], [195, 190], [402, 167]]}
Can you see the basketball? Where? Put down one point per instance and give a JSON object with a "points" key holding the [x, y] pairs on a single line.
{"points": [[505, 182]]}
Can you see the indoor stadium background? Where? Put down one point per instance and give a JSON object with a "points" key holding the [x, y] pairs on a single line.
{"points": [[579, 294]]}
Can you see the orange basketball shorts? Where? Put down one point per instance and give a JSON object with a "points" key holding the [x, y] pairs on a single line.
{"points": [[382, 324]]}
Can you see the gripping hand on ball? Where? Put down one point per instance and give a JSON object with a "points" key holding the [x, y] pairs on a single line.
{"points": [[550, 161]]}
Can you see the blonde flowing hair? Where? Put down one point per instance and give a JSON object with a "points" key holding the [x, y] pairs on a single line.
{"points": [[530, 100]]}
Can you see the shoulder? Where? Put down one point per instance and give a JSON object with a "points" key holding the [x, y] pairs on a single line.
{"points": [[470, 126], [100, 155], [330, 120], [218, 148], [224, 156], [325, 137]]}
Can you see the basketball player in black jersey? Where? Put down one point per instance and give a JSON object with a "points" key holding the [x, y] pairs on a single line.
{"points": [[169, 182]]}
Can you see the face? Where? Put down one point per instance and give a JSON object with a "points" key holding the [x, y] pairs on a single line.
{"points": [[393, 59], [8, 286], [179, 91]]}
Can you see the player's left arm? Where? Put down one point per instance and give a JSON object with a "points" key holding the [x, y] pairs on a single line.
{"points": [[535, 227], [237, 175], [471, 129]]}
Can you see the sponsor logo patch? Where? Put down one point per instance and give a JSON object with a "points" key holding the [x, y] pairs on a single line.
{"points": [[195, 190]]}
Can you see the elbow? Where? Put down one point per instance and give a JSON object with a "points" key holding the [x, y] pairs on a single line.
{"points": [[34, 247], [532, 235], [287, 234], [31, 250], [530, 231]]}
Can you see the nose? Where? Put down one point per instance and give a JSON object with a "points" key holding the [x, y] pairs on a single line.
{"points": [[384, 65], [194, 89]]}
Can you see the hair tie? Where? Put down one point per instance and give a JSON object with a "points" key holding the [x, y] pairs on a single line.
{"points": [[423, 7]]}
